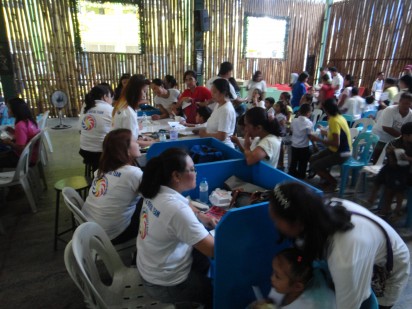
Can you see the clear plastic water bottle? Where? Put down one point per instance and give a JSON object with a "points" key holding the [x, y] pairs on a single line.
{"points": [[173, 133], [204, 191]]}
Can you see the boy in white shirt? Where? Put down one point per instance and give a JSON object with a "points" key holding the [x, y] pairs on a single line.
{"points": [[301, 129], [354, 105]]}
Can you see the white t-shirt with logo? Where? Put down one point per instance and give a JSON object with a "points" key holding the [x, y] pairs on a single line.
{"points": [[223, 119], [301, 128], [271, 146], [167, 102], [127, 119], [112, 199], [168, 231], [252, 85], [94, 126], [391, 118]]}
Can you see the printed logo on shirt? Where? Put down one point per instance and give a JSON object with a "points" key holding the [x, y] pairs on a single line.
{"points": [[99, 186], [88, 123], [144, 223]]}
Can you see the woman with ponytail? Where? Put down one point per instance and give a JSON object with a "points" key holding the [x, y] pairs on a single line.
{"points": [[262, 138], [169, 230], [113, 195], [353, 241], [95, 123]]}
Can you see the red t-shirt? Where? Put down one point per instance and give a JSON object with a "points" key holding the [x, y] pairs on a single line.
{"points": [[328, 91], [200, 94]]}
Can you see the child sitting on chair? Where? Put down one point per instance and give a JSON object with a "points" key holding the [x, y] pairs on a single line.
{"points": [[296, 284], [395, 173]]}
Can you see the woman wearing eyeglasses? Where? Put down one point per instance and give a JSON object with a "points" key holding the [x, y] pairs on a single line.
{"points": [[169, 230]]}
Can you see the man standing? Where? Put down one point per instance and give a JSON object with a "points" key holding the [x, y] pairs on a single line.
{"points": [[377, 87], [337, 81]]}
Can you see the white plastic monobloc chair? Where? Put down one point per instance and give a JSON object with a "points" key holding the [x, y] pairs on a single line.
{"points": [[20, 175], [74, 202], [42, 126], [37, 146], [119, 286], [316, 115]]}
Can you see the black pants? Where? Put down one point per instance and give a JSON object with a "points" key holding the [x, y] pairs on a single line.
{"points": [[91, 158], [131, 231], [299, 162]]}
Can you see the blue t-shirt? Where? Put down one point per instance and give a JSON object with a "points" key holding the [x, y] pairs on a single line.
{"points": [[298, 91]]}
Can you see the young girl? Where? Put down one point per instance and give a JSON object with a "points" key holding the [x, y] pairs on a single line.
{"points": [[202, 115], [285, 98], [281, 116], [295, 284], [257, 99], [269, 102]]}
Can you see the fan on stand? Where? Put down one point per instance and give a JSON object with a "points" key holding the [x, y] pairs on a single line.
{"points": [[59, 100]]}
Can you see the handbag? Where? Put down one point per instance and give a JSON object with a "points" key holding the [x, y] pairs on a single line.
{"points": [[204, 153], [244, 193], [380, 273]]}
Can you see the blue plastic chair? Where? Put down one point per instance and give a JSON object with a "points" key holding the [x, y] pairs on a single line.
{"points": [[361, 154], [322, 123], [296, 109], [349, 119], [369, 113], [371, 302]]}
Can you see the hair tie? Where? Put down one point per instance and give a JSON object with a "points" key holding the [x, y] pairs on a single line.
{"points": [[280, 197]]}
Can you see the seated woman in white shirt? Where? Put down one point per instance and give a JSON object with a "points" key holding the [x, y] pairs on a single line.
{"points": [[268, 144], [125, 110], [113, 195], [95, 123], [169, 230], [164, 98], [222, 122]]}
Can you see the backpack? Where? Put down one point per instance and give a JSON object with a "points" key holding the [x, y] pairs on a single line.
{"points": [[204, 153]]}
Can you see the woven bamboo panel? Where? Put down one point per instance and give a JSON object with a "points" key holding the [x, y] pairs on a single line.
{"points": [[42, 39], [369, 36]]}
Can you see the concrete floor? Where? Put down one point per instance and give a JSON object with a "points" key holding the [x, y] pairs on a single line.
{"points": [[32, 274]]}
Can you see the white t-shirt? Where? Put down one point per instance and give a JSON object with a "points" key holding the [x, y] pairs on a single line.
{"points": [[167, 102], [232, 89], [354, 106], [377, 85], [127, 119], [337, 81], [252, 85], [95, 124], [271, 113], [301, 127], [259, 104], [223, 119], [168, 231], [271, 146], [390, 117], [352, 254], [280, 118], [112, 199]]}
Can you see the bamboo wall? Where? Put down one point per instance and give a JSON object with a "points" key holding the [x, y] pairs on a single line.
{"points": [[41, 38], [369, 36]]}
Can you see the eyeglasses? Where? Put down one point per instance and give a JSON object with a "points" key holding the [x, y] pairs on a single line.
{"points": [[191, 170]]}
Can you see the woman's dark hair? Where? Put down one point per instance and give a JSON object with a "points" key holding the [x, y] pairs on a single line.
{"points": [[282, 105], [326, 78], [158, 171], [286, 95], [303, 76], [390, 81], [233, 81], [258, 116], [119, 88], [331, 107], [370, 99], [318, 218], [355, 91], [132, 93], [191, 73], [308, 97], [260, 93], [204, 112], [407, 80], [96, 93], [21, 110], [349, 78], [304, 109], [225, 67], [300, 266], [158, 82], [115, 151], [222, 85], [109, 88], [270, 100], [171, 80], [257, 73], [333, 69]]}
